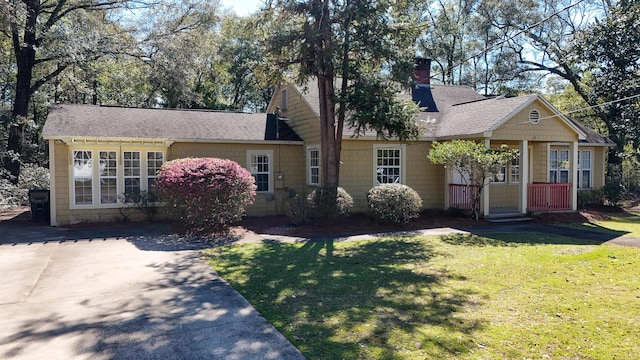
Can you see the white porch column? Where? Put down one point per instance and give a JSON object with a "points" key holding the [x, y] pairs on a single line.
{"points": [[524, 175], [448, 176], [573, 170], [485, 191], [52, 183]]}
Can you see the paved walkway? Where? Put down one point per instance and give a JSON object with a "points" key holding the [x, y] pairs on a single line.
{"points": [[85, 294]]}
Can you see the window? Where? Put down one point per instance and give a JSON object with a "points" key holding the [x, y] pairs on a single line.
{"points": [[559, 166], [260, 168], [515, 170], [283, 99], [118, 173], [388, 162], [313, 161], [501, 176], [584, 169], [83, 177], [155, 159], [132, 175], [108, 175]]}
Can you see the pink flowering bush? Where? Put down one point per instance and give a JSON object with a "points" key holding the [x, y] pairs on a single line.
{"points": [[206, 192]]}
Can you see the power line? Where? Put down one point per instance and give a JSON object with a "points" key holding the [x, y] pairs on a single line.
{"points": [[509, 38]]}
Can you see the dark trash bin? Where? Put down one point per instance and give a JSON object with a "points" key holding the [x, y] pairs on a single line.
{"points": [[39, 200]]}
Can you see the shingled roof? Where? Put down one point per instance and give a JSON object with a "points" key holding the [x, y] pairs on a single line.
{"points": [[459, 111], [103, 122]]}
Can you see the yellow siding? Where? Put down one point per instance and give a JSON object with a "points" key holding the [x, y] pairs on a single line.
{"points": [[301, 116], [357, 172], [539, 166], [598, 166], [288, 160], [550, 128], [504, 195]]}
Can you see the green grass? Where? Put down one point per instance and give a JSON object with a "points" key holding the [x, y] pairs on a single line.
{"points": [[623, 223], [460, 297]]}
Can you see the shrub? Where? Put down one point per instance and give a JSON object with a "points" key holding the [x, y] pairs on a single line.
{"points": [[394, 202], [321, 200], [32, 176], [613, 193], [298, 209], [206, 192], [590, 197]]}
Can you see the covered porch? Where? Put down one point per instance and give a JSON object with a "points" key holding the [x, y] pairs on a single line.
{"points": [[537, 181]]}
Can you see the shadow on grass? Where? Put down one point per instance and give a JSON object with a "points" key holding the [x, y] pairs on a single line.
{"points": [[368, 299]]}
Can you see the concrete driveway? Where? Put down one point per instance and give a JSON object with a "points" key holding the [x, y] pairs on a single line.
{"points": [[76, 294]]}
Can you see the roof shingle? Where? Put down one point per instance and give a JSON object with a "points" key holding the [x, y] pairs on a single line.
{"points": [[91, 121]]}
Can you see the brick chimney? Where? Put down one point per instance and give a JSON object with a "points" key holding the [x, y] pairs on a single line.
{"points": [[422, 71]]}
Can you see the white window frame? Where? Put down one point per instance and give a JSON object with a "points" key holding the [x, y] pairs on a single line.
{"points": [[149, 168], [514, 170], [556, 166], [496, 177], [251, 167], [311, 168], [126, 177], [73, 177], [582, 169], [401, 157], [96, 176], [101, 177]]}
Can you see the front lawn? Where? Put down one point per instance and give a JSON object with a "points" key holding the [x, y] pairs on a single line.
{"points": [[463, 297], [614, 223]]}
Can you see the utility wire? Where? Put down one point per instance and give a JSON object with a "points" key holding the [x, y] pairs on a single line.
{"points": [[462, 62]]}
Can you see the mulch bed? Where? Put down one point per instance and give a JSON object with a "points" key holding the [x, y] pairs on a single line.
{"points": [[355, 224]]}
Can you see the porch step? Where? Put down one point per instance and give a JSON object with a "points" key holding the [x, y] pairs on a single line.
{"points": [[507, 219]]}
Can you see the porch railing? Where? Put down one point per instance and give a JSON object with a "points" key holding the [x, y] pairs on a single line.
{"points": [[460, 195], [549, 196]]}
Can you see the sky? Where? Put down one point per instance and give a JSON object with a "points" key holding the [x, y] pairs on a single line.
{"points": [[242, 7]]}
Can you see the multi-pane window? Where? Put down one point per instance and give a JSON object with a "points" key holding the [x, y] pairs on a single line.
{"points": [[501, 175], [118, 177], [559, 166], [83, 177], [108, 176], [584, 169], [132, 175], [155, 159], [388, 166], [313, 158], [260, 168], [515, 170]]}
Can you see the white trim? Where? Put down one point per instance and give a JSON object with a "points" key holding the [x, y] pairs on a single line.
{"points": [[269, 154], [53, 218], [308, 164], [403, 151], [524, 175], [98, 185], [75, 141], [534, 119], [95, 156], [573, 179], [580, 169]]}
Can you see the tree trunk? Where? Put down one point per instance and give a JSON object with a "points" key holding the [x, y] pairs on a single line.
{"points": [[25, 52]]}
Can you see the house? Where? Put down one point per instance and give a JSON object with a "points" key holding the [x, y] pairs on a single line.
{"points": [[558, 157]]}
